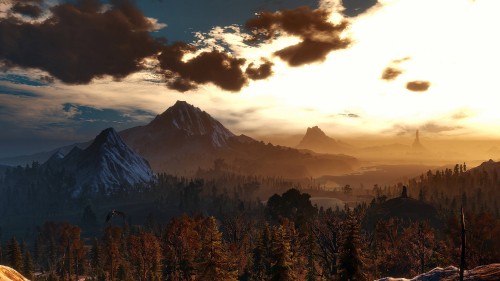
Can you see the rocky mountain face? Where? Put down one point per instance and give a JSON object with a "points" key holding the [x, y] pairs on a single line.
{"points": [[185, 139], [316, 140], [107, 164]]}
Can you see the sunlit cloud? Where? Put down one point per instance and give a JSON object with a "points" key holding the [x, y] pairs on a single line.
{"points": [[451, 44]]}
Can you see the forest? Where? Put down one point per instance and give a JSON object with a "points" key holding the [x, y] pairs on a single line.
{"points": [[218, 227]]}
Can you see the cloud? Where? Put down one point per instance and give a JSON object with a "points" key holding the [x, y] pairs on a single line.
{"points": [[261, 72], [319, 36], [433, 127], [79, 42], [418, 86], [217, 67], [27, 9], [391, 73]]}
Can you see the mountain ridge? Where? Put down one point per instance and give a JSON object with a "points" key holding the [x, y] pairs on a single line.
{"points": [[107, 164]]}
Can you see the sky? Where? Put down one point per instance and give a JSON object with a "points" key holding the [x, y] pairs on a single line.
{"points": [[355, 68]]}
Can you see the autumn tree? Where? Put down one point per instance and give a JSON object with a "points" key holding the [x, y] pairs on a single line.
{"points": [[213, 263], [281, 269], [145, 256], [181, 244]]}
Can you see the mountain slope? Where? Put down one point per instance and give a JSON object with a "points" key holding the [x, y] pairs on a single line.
{"points": [[184, 139], [107, 164], [316, 140]]}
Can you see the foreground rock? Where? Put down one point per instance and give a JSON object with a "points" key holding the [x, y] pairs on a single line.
{"points": [[9, 274], [489, 272]]}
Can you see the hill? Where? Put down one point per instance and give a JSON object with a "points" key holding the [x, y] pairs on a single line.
{"points": [[404, 208]]}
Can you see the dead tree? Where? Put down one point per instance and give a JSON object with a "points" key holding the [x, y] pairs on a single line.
{"points": [[462, 256]]}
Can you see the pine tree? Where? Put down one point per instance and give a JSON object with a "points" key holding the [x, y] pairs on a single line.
{"points": [[28, 266], [351, 260], [262, 256], [15, 255], [282, 267], [214, 264]]}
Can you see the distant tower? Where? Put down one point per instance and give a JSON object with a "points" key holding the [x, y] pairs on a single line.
{"points": [[404, 194], [417, 146]]}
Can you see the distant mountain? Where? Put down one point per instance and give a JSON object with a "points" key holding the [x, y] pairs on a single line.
{"points": [[316, 140], [489, 272], [184, 139], [40, 157], [489, 166], [106, 165]]}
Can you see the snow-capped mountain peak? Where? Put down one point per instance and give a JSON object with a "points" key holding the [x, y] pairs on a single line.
{"points": [[108, 163]]}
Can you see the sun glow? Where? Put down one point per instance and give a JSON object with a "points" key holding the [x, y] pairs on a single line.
{"points": [[448, 43]]}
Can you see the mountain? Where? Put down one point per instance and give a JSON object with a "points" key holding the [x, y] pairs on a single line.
{"points": [[105, 166], [39, 157], [489, 166], [489, 272], [10, 274], [316, 140], [184, 139]]}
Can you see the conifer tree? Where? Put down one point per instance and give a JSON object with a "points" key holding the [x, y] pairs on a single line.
{"points": [[28, 266], [15, 255], [213, 262], [351, 260], [282, 266], [262, 256]]}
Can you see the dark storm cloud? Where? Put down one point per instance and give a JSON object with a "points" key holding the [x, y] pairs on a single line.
{"points": [[318, 35], [391, 73], [27, 9], [418, 86], [86, 40], [217, 67], [79, 42], [261, 72]]}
